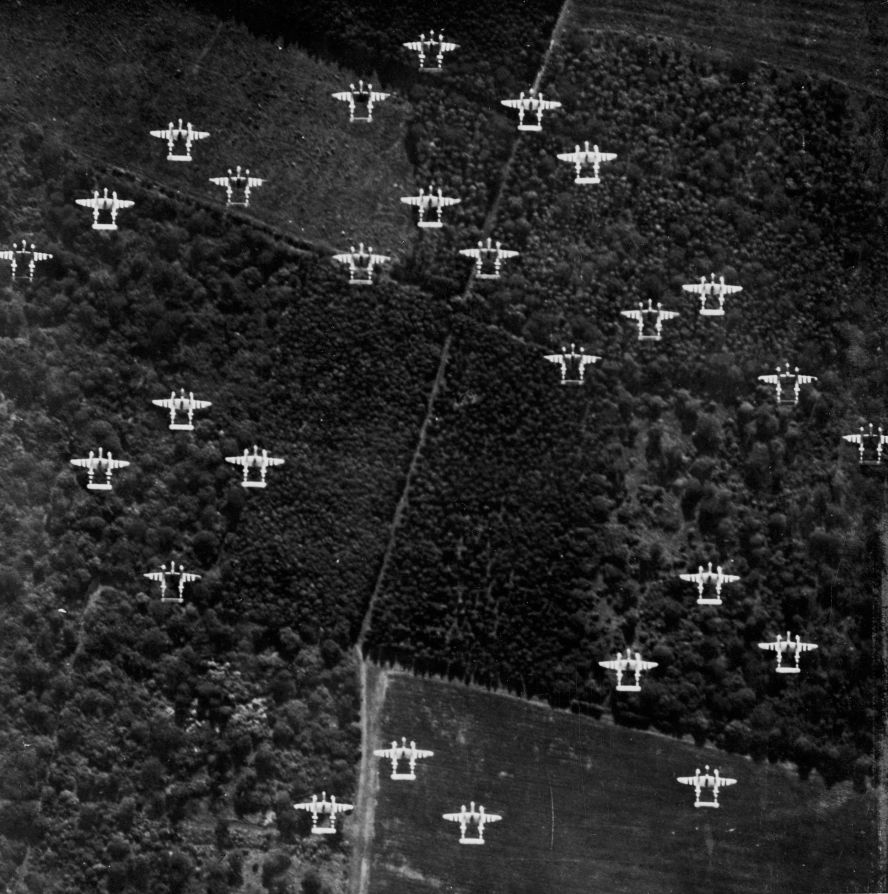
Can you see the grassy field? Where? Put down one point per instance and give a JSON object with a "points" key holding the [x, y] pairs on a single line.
{"points": [[844, 39], [591, 807], [267, 107]]}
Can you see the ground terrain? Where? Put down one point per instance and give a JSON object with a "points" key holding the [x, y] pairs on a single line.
{"points": [[511, 531]]}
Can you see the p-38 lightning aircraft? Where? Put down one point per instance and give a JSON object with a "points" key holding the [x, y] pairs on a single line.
{"points": [[478, 817], [104, 465], [650, 314], [535, 104], [361, 264], [587, 156], [431, 46], [574, 361], [874, 440], [487, 255], [362, 97], [781, 645], [785, 379], [104, 202], [621, 665], [430, 199], [397, 752], [22, 254], [237, 186], [322, 807], [176, 575], [713, 780], [181, 136], [184, 403], [255, 460], [712, 289], [717, 577]]}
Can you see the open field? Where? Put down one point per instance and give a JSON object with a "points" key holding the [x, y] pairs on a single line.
{"points": [[592, 807], [98, 81], [845, 39]]}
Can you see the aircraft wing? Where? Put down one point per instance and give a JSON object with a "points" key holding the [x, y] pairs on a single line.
{"points": [[201, 404], [446, 46], [606, 156], [378, 97], [455, 817], [115, 463], [854, 439], [199, 134], [514, 103], [155, 575], [240, 460], [774, 647], [614, 664], [6, 255], [379, 259], [123, 203], [728, 290], [804, 647], [83, 463], [388, 753], [698, 288], [415, 200], [699, 577], [546, 104], [188, 576], [730, 578], [255, 181], [274, 461], [508, 253], [41, 256], [345, 257], [219, 181], [726, 780], [644, 665], [165, 134], [554, 358], [471, 252], [688, 780], [633, 314], [415, 45], [168, 403], [770, 379], [805, 380], [94, 202], [343, 95], [491, 817], [667, 314], [444, 201], [309, 805], [424, 752], [572, 157]]}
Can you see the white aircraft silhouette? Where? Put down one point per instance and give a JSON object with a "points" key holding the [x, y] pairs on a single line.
{"points": [[658, 315], [875, 439], [621, 665], [397, 752], [786, 378], [183, 403], [242, 182], [361, 264], [256, 460], [431, 46], [712, 289], [426, 200], [480, 817], [781, 645], [706, 780], [360, 95], [105, 202], [535, 104], [105, 465], [18, 255], [173, 573], [572, 359], [322, 807], [488, 254], [717, 577], [587, 156], [184, 135]]}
